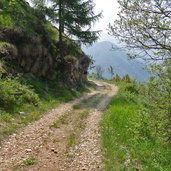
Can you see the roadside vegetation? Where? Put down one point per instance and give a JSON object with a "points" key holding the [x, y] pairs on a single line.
{"points": [[136, 128], [130, 137], [32, 78], [24, 99]]}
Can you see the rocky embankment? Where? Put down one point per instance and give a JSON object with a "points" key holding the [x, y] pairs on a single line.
{"points": [[40, 56]]}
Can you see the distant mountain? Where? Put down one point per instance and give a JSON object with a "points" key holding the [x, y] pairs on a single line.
{"points": [[104, 55]]}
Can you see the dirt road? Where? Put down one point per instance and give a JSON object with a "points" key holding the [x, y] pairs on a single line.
{"points": [[65, 139]]}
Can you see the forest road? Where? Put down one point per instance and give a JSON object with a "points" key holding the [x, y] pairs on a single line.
{"points": [[65, 139]]}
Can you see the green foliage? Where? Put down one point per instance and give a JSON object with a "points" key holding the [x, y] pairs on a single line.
{"points": [[126, 78], [15, 94], [18, 14], [6, 117], [8, 50], [62, 120], [125, 147], [156, 114], [117, 78], [6, 21], [75, 17], [144, 25], [25, 99], [71, 140], [29, 161], [52, 31], [132, 87]]}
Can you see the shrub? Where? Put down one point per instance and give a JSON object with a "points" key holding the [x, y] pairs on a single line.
{"points": [[117, 78], [6, 21], [126, 79], [6, 117], [14, 94], [131, 87], [157, 107]]}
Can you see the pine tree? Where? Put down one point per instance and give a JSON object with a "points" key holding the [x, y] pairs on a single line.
{"points": [[117, 78], [126, 78], [74, 18]]}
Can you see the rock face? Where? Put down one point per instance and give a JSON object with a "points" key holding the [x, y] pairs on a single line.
{"points": [[40, 56], [76, 70]]}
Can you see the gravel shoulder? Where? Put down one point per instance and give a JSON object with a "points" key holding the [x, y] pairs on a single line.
{"points": [[66, 138]]}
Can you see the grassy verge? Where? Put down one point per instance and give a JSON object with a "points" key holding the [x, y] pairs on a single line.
{"points": [[124, 147], [79, 124], [25, 99]]}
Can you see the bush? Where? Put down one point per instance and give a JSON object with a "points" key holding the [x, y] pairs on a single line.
{"points": [[5, 20], [127, 79], [127, 144], [13, 95], [131, 87], [156, 113], [117, 78]]}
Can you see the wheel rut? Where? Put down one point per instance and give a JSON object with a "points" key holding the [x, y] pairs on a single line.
{"points": [[65, 139]]}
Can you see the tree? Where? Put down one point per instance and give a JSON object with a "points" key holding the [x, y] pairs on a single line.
{"points": [[74, 18], [117, 78], [99, 72], [157, 107], [41, 9], [145, 27], [111, 71], [126, 78]]}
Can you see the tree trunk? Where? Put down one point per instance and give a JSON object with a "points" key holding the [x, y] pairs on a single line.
{"points": [[61, 29]]}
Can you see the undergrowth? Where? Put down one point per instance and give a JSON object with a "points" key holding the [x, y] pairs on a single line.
{"points": [[24, 99], [124, 146]]}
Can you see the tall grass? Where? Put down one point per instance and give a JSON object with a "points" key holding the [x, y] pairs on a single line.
{"points": [[124, 146]]}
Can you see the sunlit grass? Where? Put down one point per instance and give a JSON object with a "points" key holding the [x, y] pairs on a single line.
{"points": [[124, 148]]}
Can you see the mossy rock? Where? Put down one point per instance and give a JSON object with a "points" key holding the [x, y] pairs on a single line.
{"points": [[2, 70], [70, 58], [8, 51]]}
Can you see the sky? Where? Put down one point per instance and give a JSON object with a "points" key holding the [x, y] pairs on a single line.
{"points": [[109, 9]]}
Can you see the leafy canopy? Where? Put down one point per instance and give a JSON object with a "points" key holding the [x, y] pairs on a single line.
{"points": [[145, 27]]}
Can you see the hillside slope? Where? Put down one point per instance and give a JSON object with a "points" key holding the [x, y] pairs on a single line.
{"points": [[104, 55], [27, 38], [32, 79]]}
